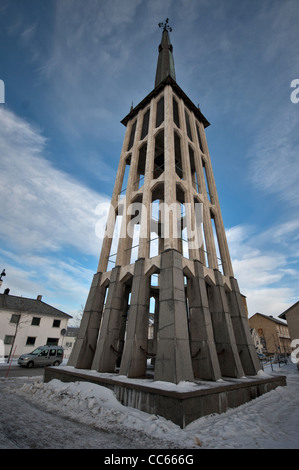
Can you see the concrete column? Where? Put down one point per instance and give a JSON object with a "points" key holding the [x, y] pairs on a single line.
{"points": [[198, 158], [228, 355], [108, 344], [125, 240], [199, 175], [222, 241], [200, 181], [247, 352], [83, 351], [173, 359], [107, 241], [170, 174], [209, 237], [193, 249], [203, 349], [133, 363], [145, 229]]}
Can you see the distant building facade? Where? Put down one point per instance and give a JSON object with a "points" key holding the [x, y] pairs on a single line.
{"points": [[274, 334], [291, 315], [28, 323]]}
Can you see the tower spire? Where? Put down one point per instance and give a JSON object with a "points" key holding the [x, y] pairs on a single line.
{"points": [[165, 65]]}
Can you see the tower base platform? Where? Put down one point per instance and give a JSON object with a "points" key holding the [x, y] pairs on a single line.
{"points": [[182, 403]]}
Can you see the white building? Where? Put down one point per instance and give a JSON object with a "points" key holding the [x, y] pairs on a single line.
{"points": [[28, 323]]}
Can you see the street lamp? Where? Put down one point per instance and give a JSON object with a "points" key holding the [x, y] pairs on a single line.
{"points": [[1, 275]]}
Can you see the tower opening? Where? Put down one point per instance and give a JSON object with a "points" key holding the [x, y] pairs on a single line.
{"points": [[178, 155], [160, 112], [132, 136], [141, 167], [188, 127], [159, 155], [195, 182], [145, 124], [176, 116]]}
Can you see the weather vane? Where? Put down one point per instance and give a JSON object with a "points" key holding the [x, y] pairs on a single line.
{"points": [[165, 26]]}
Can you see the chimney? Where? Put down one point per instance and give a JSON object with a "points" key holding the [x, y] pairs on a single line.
{"points": [[39, 297]]}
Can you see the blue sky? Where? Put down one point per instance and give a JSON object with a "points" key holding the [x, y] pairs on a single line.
{"points": [[71, 70]]}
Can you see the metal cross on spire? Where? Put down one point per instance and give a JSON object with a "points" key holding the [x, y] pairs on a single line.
{"points": [[165, 26]]}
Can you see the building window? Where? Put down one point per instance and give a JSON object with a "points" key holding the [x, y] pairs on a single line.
{"points": [[30, 341], [35, 321], [15, 318], [8, 339], [52, 341], [56, 323]]}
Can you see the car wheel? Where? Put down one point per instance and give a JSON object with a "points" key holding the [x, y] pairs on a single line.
{"points": [[56, 363], [30, 364]]}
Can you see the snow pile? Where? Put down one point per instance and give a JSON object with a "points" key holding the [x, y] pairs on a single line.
{"points": [[270, 421], [97, 406]]}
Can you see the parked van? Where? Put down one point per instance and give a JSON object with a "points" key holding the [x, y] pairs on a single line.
{"points": [[42, 356]]}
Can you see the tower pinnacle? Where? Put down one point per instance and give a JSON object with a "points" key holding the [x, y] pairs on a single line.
{"points": [[165, 25], [165, 65]]}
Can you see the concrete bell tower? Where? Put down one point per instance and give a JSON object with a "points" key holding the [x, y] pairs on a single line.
{"points": [[165, 300]]}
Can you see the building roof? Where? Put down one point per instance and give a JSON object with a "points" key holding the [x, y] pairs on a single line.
{"points": [[167, 81], [283, 314], [269, 317], [25, 305]]}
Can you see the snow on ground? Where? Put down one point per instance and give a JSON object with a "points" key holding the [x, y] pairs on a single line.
{"points": [[270, 421]]}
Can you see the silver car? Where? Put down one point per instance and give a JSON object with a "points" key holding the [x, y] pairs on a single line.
{"points": [[42, 356]]}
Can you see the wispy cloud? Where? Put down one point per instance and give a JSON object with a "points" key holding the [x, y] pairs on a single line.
{"points": [[274, 157], [90, 50], [263, 268], [44, 212], [41, 207]]}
